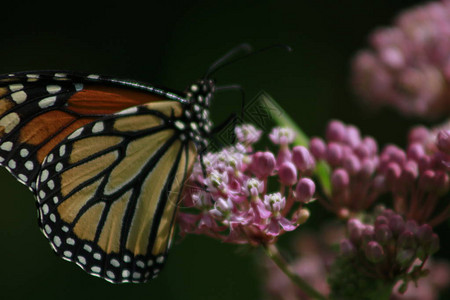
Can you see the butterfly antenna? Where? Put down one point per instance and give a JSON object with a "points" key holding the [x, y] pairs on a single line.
{"points": [[246, 48], [227, 58]]}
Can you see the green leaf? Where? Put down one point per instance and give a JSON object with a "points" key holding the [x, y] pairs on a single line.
{"points": [[281, 118]]}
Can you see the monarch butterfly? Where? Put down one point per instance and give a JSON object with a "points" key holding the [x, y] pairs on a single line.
{"points": [[106, 160]]}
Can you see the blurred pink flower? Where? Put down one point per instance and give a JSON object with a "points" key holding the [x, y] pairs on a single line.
{"points": [[408, 64]]}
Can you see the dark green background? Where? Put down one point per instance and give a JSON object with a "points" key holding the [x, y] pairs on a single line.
{"points": [[171, 44]]}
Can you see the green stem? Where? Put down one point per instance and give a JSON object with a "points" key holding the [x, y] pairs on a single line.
{"points": [[273, 253]]}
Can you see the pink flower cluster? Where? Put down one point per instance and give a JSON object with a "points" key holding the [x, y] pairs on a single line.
{"points": [[228, 197], [390, 247], [408, 66], [415, 178], [418, 177], [314, 258], [353, 160]]}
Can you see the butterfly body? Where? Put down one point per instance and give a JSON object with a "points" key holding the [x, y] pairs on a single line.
{"points": [[106, 160]]}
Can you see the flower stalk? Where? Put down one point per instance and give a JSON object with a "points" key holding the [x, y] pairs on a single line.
{"points": [[272, 252]]}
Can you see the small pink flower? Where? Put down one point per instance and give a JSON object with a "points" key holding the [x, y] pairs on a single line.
{"points": [[247, 134], [282, 136]]}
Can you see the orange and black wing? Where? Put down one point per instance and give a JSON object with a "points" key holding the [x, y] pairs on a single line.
{"points": [[106, 160], [39, 109], [107, 194]]}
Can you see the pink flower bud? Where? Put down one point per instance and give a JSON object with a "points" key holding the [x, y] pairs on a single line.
{"points": [[427, 180], [394, 153], [304, 190], [424, 234], [383, 234], [374, 252], [415, 151], [443, 141], [367, 168], [410, 171], [287, 174], [396, 224], [418, 134], [355, 229], [302, 159], [334, 154], [263, 164], [317, 147], [353, 136], [371, 145], [336, 131], [368, 233], [340, 179], [411, 226], [381, 220], [351, 163], [393, 172]]}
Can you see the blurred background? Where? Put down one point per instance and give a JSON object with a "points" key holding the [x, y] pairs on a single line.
{"points": [[172, 43]]}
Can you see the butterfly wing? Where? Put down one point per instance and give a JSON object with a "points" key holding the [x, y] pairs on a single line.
{"points": [[107, 194], [39, 109]]}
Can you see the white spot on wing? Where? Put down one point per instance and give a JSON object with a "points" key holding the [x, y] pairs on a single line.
{"points": [[76, 133], [47, 102], [45, 209], [53, 88], [62, 150], [15, 87], [12, 164], [125, 273], [7, 146], [130, 110], [29, 165], [44, 175], [51, 184], [58, 167], [82, 260], [24, 152], [57, 241], [115, 262], [19, 97], [98, 127], [10, 121]]}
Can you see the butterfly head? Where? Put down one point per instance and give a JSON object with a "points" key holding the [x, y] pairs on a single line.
{"points": [[199, 96]]}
